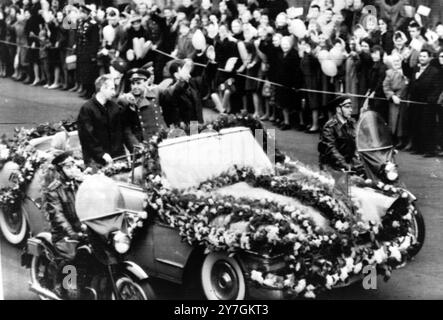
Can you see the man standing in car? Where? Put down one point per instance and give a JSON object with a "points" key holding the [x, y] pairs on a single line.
{"points": [[143, 116], [100, 125]]}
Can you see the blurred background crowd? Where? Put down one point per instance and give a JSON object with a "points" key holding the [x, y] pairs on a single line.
{"points": [[282, 61]]}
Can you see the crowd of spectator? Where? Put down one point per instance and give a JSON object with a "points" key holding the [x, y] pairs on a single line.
{"points": [[281, 64]]}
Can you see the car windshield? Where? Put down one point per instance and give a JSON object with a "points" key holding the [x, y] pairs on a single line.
{"points": [[373, 133]]}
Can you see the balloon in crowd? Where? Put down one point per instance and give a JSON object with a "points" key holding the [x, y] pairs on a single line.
{"points": [[339, 5], [336, 54], [329, 68], [198, 40], [138, 46], [109, 33], [323, 55], [298, 28]]}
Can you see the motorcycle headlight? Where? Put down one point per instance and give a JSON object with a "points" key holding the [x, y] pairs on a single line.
{"points": [[121, 242], [391, 171]]}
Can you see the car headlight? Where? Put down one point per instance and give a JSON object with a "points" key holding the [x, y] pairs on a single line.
{"points": [[121, 242], [391, 171]]}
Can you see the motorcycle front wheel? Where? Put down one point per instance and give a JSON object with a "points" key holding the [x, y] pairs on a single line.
{"points": [[419, 231], [40, 273], [130, 289]]}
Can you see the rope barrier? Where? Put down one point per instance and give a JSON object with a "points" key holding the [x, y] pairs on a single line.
{"points": [[295, 89], [28, 47], [261, 80]]}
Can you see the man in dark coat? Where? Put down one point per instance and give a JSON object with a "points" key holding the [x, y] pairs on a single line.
{"points": [[337, 147], [100, 125], [87, 46], [184, 102], [424, 88], [59, 188]]}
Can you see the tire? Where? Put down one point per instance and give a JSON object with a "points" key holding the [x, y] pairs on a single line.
{"points": [[131, 289], [222, 278], [13, 228], [419, 231], [36, 263]]}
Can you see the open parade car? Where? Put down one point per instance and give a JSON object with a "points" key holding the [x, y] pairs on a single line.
{"points": [[218, 208]]}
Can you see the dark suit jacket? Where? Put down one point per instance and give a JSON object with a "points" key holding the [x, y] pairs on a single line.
{"points": [[426, 88], [100, 130], [183, 101]]}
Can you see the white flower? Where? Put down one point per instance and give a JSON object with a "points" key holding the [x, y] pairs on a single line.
{"points": [[4, 151], [291, 237], [244, 241], [272, 233], [335, 277], [297, 266], [301, 285], [278, 216], [310, 295], [341, 226], [329, 281], [379, 255], [257, 276], [407, 217], [395, 224], [230, 238], [406, 243], [157, 179], [349, 264], [395, 253], [358, 267], [289, 281], [271, 280], [344, 274]]}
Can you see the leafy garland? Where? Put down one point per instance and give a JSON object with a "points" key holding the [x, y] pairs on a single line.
{"points": [[317, 259], [18, 150]]}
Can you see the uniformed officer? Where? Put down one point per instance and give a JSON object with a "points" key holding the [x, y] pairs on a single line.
{"points": [[87, 47], [337, 146], [143, 116]]}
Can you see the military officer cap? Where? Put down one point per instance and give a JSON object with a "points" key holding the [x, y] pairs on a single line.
{"points": [[135, 18], [62, 159], [340, 101], [85, 8], [138, 73]]}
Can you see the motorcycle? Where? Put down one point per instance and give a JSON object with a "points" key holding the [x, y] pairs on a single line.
{"points": [[376, 150], [96, 273]]}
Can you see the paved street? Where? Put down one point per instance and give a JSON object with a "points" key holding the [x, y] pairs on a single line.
{"points": [[420, 279]]}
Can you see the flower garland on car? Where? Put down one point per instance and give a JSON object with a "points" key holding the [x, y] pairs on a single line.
{"points": [[317, 259], [27, 159]]}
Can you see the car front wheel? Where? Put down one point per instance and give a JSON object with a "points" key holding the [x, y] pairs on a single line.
{"points": [[222, 278], [13, 225]]}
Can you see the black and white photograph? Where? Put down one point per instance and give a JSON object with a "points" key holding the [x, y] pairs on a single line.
{"points": [[201, 150]]}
